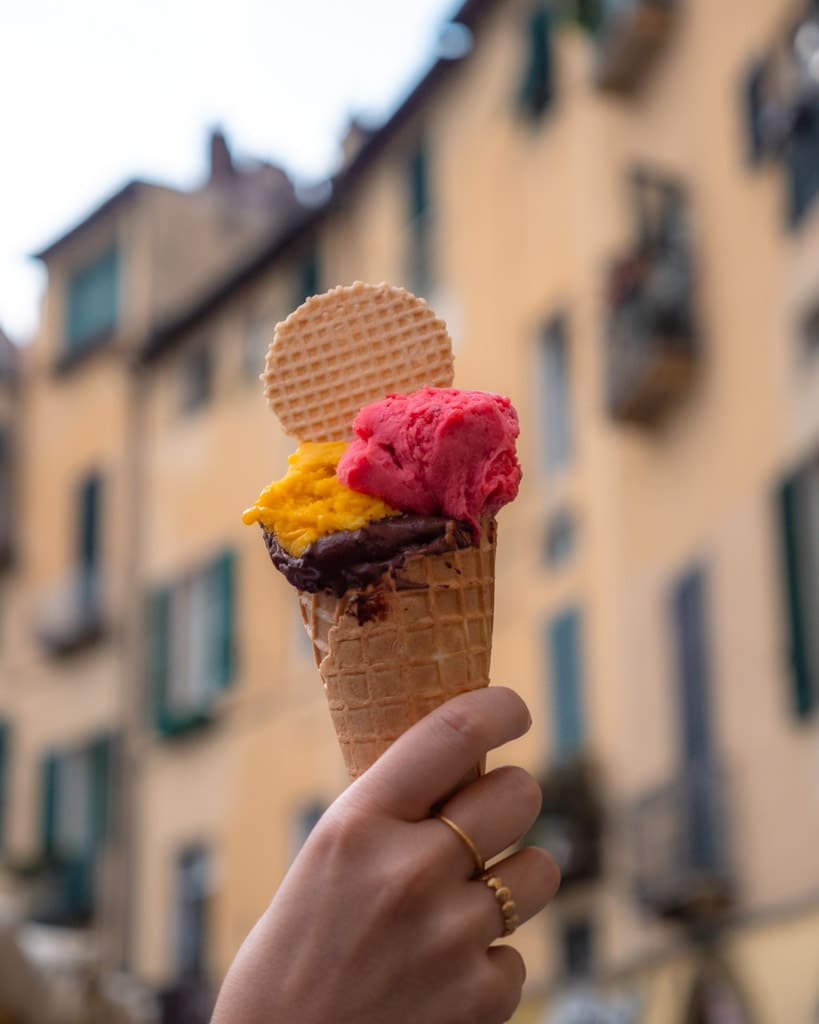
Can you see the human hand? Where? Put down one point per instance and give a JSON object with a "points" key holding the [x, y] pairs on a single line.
{"points": [[381, 919]]}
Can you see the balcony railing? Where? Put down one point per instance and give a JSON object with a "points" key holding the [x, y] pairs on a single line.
{"points": [[651, 339], [629, 36], [58, 891], [570, 824], [680, 834], [72, 615], [189, 1001]]}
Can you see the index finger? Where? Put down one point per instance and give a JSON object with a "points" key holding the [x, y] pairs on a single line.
{"points": [[433, 756]]}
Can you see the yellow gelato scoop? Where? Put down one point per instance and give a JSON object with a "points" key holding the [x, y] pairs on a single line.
{"points": [[309, 501]]}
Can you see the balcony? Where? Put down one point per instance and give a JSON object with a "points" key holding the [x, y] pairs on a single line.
{"points": [[682, 865], [72, 615], [189, 1001], [629, 36], [570, 824], [57, 891], [651, 341]]}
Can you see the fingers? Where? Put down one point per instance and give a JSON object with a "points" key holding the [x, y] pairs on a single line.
{"points": [[495, 812], [425, 765], [509, 969], [532, 878]]}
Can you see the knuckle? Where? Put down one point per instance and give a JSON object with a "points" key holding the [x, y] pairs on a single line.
{"points": [[458, 719], [523, 788], [543, 870], [341, 839]]}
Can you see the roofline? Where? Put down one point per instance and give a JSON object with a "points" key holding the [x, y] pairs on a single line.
{"points": [[121, 196], [163, 336]]}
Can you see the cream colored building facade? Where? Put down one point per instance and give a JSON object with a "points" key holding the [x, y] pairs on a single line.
{"points": [[616, 220]]}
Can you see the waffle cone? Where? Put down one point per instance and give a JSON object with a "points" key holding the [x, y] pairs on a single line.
{"points": [[390, 653]]}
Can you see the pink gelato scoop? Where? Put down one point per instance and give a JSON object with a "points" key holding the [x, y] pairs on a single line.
{"points": [[438, 451]]}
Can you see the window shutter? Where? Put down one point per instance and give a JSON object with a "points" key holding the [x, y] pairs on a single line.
{"points": [[803, 695], [102, 754], [158, 647], [537, 88], [753, 101], [307, 275], [49, 767], [224, 617], [418, 182], [693, 674], [564, 663]]}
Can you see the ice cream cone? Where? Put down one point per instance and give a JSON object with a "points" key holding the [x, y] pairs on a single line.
{"points": [[391, 652]]}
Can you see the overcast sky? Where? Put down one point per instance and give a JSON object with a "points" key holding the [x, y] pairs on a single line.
{"points": [[95, 92]]}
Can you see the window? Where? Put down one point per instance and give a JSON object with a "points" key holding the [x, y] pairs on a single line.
{"points": [[564, 659], [577, 942], [307, 279], [537, 86], [307, 818], [559, 539], [192, 889], [799, 529], [89, 526], [688, 612], [554, 403], [754, 106], [75, 798], [257, 339], [419, 256], [196, 378], [802, 160], [810, 333], [191, 645], [92, 302]]}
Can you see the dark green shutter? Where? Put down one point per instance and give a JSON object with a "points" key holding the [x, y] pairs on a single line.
{"points": [[563, 640], [158, 647], [537, 87], [753, 102], [49, 768], [307, 276], [102, 753], [803, 694], [224, 617], [418, 182]]}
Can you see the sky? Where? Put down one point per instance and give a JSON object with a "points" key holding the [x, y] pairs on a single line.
{"points": [[96, 92]]}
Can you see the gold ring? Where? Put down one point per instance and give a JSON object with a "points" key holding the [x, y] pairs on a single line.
{"points": [[503, 894], [480, 864]]}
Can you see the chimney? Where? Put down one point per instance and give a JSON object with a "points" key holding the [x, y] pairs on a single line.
{"points": [[354, 138], [222, 168]]}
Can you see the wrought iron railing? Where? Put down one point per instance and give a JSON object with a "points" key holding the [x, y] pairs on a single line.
{"points": [[680, 836]]}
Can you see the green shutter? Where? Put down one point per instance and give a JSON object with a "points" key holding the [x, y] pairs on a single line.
{"points": [[224, 617], [418, 182], [307, 275], [537, 87], [158, 647], [102, 753], [803, 694], [5, 786], [49, 767], [563, 652]]}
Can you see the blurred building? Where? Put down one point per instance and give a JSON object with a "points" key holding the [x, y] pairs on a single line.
{"points": [[614, 205]]}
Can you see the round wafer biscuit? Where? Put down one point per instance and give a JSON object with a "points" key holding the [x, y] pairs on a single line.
{"points": [[348, 347]]}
